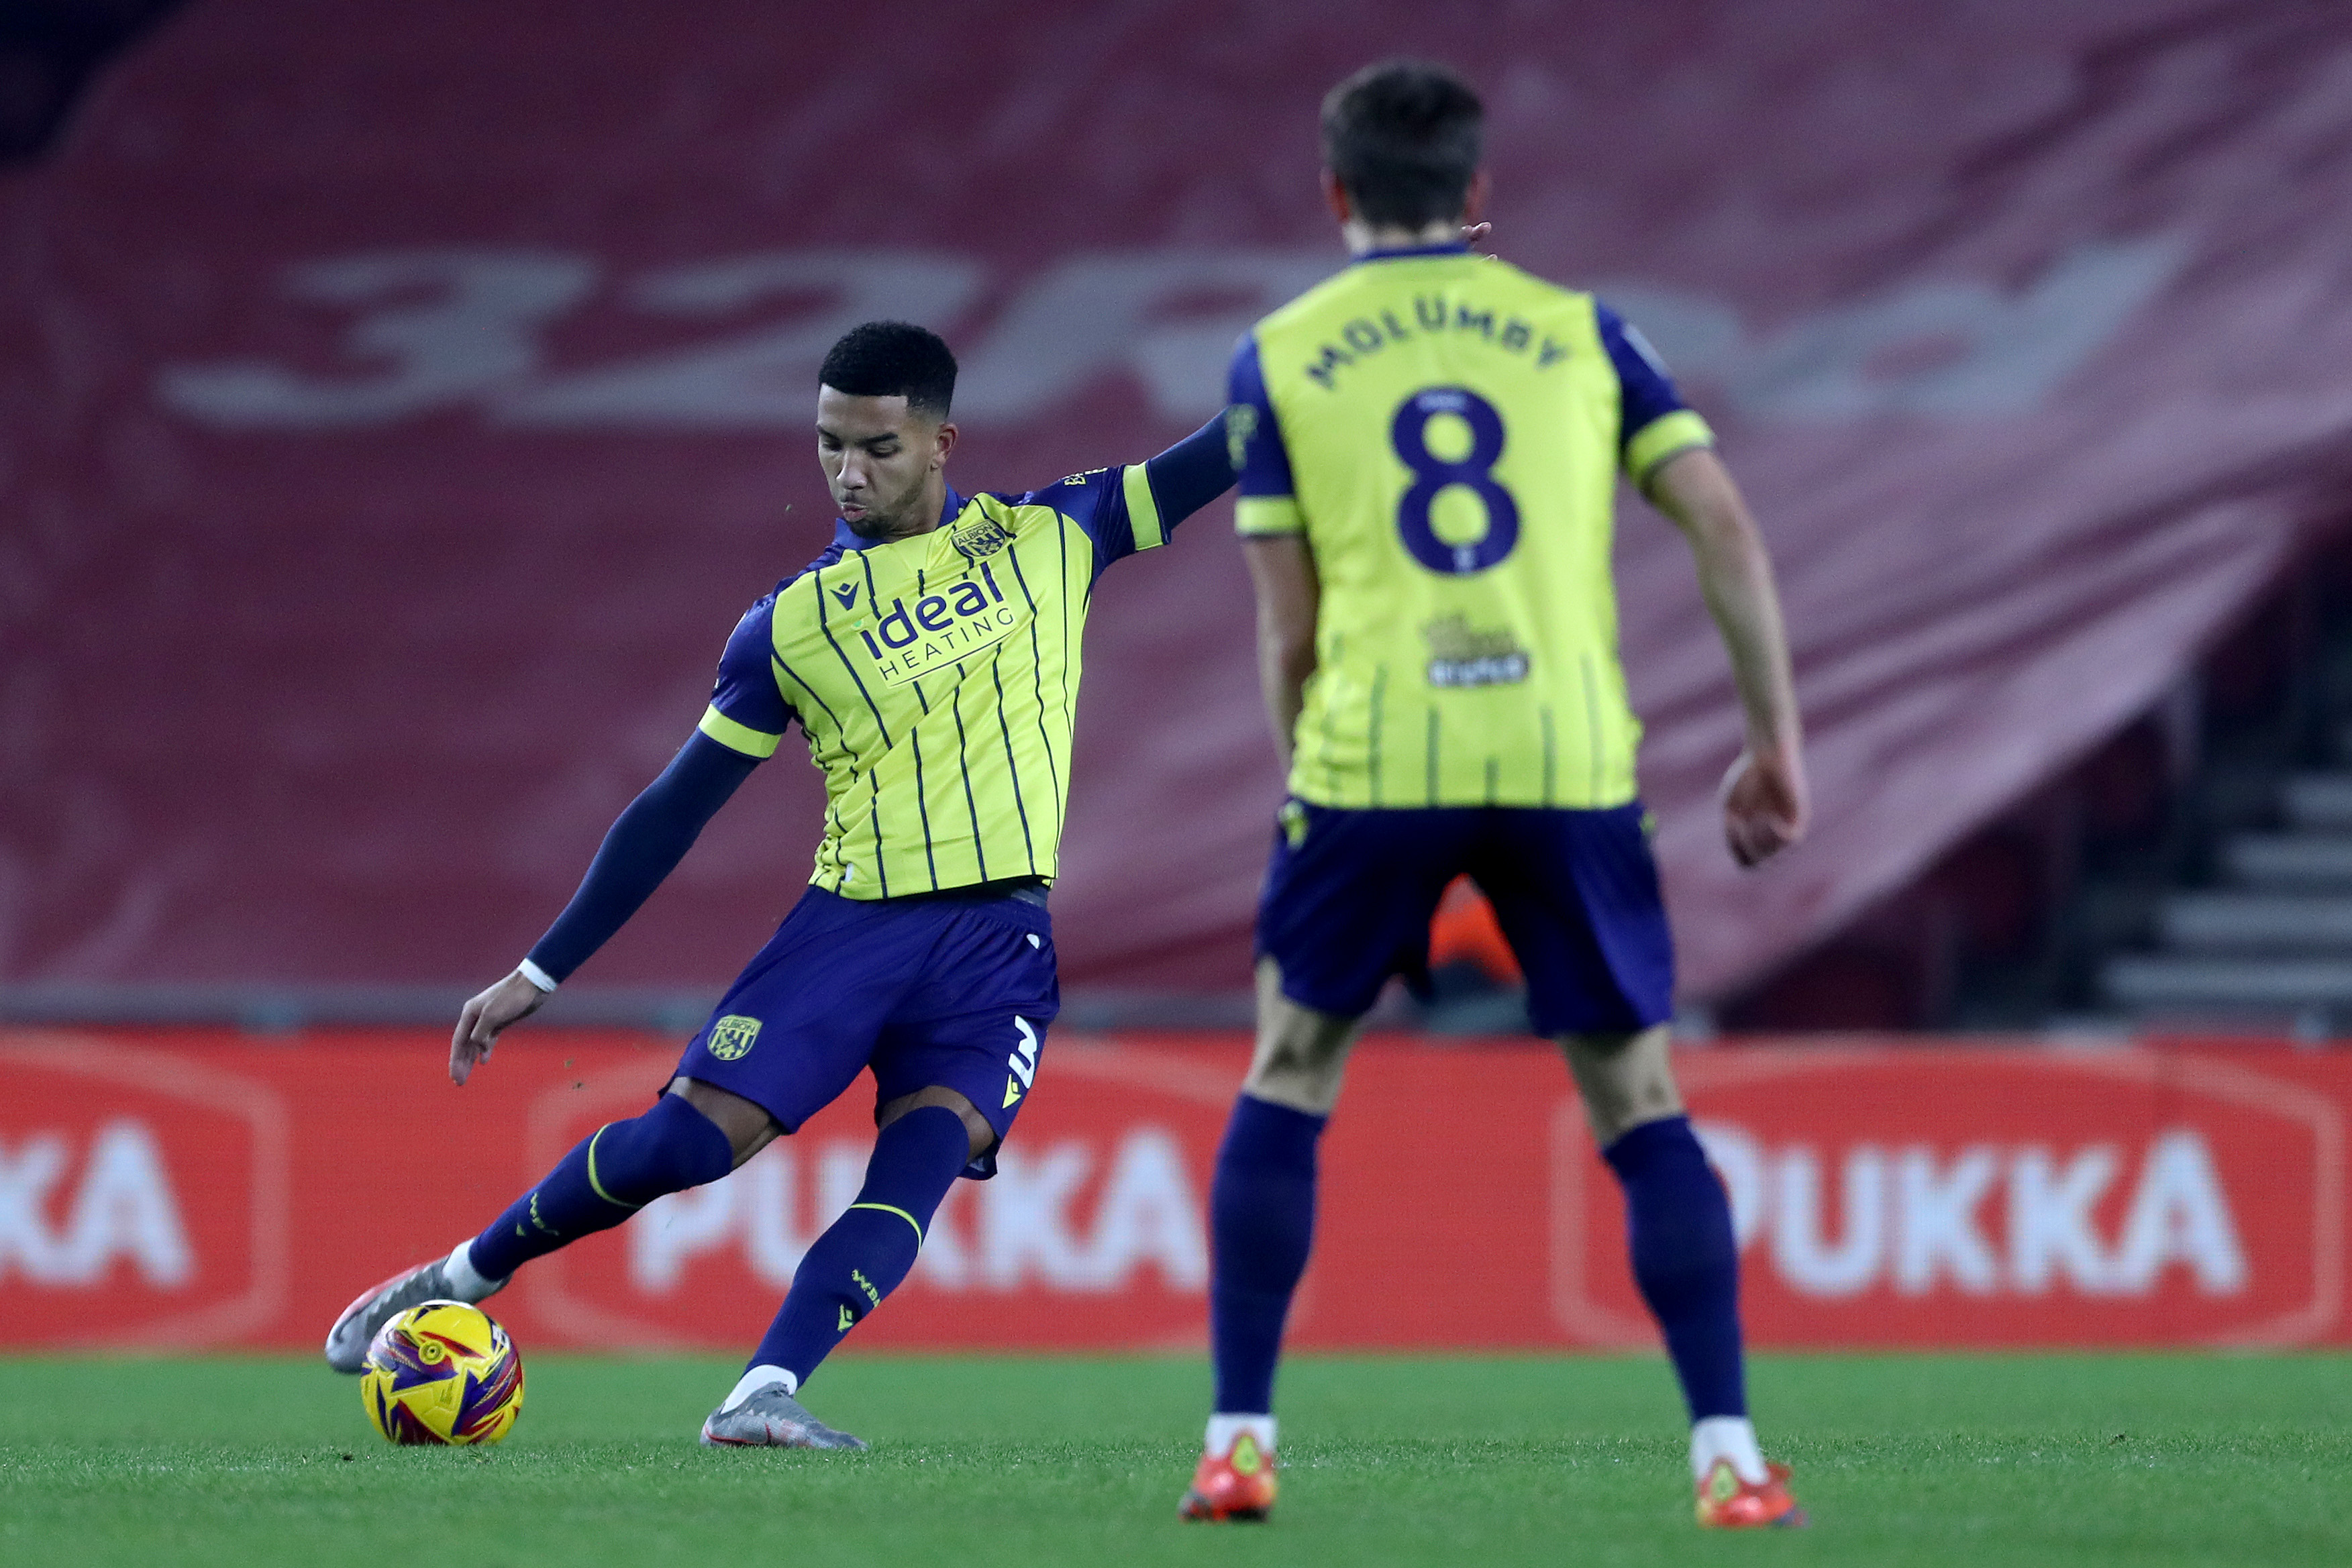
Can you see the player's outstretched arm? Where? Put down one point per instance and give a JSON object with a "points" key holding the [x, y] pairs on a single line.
{"points": [[1136, 507], [1191, 474], [645, 843], [1765, 809]]}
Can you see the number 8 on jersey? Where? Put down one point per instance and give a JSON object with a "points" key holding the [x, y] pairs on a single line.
{"points": [[1432, 475]]}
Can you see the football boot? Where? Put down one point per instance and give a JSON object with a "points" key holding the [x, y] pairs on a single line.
{"points": [[772, 1418], [1236, 1485], [1726, 1502], [348, 1341]]}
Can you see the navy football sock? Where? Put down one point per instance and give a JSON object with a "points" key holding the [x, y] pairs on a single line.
{"points": [[864, 1255], [614, 1172], [1679, 1225], [1262, 1223]]}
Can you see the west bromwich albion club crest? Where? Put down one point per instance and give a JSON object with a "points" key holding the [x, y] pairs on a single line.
{"points": [[981, 537], [732, 1037]]}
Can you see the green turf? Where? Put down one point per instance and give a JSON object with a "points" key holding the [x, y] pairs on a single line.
{"points": [[2013, 1460]]}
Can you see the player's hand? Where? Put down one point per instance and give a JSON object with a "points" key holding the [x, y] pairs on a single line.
{"points": [[1474, 235], [511, 1000], [1764, 806]]}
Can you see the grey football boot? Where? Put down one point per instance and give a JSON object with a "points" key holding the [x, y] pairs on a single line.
{"points": [[772, 1418], [348, 1341]]}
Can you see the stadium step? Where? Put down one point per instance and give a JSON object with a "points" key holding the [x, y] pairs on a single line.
{"points": [[2255, 922], [2277, 941], [2288, 861], [2171, 984], [2320, 801]]}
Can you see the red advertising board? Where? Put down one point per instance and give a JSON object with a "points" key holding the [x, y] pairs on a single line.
{"points": [[143, 1198], [2000, 1198], [175, 1188]]}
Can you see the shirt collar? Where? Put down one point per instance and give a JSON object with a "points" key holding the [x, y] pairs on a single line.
{"points": [[1453, 248], [848, 537]]}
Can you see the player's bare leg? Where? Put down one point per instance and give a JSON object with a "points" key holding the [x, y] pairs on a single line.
{"points": [[981, 1136], [1262, 1209], [1301, 1054], [695, 1133], [747, 1126], [1686, 1264], [1625, 1080]]}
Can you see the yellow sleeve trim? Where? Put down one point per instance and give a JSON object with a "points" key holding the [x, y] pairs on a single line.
{"points": [[1660, 439], [1260, 515], [736, 737], [1142, 511]]}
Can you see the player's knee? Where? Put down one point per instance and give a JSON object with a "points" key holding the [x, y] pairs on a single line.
{"points": [[1300, 1068], [1301, 1054], [1625, 1080], [976, 1126], [747, 1126], [669, 1148]]}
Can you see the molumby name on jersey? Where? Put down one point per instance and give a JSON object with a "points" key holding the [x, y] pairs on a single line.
{"points": [[939, 630], [1432, 313]]}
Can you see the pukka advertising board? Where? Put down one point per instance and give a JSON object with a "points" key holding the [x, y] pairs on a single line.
{"points": [[183, 1188]]}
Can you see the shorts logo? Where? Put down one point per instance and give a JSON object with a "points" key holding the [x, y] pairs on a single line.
{"points": [[1021, 1064], [732, 1037], [1293, 819]]}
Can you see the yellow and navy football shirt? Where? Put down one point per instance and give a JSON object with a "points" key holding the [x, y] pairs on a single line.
{"points": [[1446, 432], [936, 678]]}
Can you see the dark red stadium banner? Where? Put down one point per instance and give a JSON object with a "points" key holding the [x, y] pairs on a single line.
{"points": [[399, 403], [187, 1190]]}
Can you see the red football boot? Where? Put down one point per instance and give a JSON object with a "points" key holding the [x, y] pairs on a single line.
{"points": [[1236, 1485], [1726, 1502]]}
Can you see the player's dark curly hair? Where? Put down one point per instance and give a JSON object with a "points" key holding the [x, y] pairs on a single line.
{"points": [[1404, 137], [893, 359]]}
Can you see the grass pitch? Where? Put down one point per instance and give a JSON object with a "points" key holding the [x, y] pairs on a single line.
{"points": [[1480, 1461]]}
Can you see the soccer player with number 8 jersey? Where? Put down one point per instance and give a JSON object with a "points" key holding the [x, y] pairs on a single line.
{"points": [[1428, 448]]}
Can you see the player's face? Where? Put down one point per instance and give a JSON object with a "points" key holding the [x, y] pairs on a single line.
{"points": [[880, 457]]}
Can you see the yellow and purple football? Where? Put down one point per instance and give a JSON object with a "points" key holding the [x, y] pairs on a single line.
{"points": [[442, 1373]]}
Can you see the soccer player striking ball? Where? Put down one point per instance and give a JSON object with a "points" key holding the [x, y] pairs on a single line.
{"points": [[1428, 445], [930, 655]]}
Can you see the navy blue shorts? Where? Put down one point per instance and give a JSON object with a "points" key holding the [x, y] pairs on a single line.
{"points": [[955, 992], [1348, 898]]}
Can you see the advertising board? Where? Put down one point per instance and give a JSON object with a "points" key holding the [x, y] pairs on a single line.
{"points": [[178, 1188]]}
